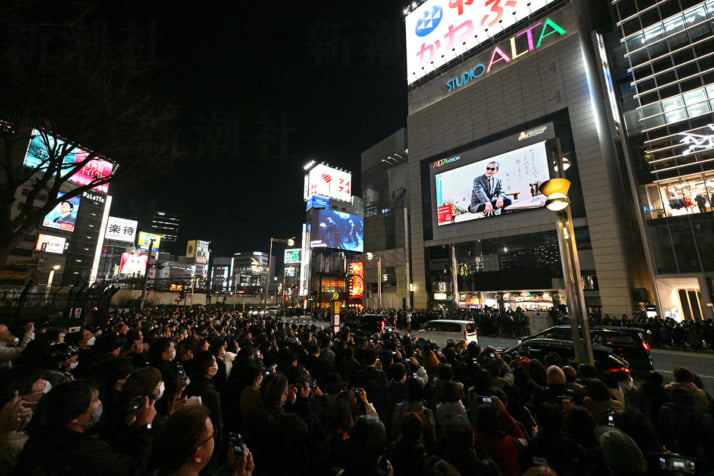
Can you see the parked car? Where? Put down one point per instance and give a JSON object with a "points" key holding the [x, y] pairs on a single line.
{"points": [[627, 342], [443, 330], [538, 348]]}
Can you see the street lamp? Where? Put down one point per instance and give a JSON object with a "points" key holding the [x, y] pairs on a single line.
{"points": [[50, 278], [371, 256], [288, 241], [556, 191]]}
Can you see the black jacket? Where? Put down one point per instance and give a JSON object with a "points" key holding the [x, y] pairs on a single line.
{"points": [[65, 452], [204, 388]]}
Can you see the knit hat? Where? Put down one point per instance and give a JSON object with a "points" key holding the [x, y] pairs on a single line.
{"points": [[621, 453]]}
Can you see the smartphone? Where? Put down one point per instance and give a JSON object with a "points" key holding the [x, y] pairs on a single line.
{"points": [[611, 418], [235, 440], [486, 399]]}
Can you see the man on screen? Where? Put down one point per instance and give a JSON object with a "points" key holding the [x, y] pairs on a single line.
{"points": [[66, 216], [488, 194]]}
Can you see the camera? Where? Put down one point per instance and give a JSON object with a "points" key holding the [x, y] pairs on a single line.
{"points": [[236, 441], [181, 373], [135, 407], [611, 418], [675, 463]]}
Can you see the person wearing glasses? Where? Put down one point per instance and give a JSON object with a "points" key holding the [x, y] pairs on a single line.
{"points": [[488, 195]]}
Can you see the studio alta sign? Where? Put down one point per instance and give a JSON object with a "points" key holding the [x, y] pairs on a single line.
{"points": [[520, 44]]}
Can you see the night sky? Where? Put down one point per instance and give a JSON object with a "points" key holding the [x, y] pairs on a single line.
{"points": [[262, 89]]}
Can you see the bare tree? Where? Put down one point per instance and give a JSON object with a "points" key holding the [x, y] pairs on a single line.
{"points": [[73, 74]]}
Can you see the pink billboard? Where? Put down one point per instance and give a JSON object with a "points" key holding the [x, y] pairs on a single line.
{"points": [[132, 263], [93, 170]]}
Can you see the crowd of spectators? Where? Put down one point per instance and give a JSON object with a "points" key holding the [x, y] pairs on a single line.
{"points": [[193, 392]]}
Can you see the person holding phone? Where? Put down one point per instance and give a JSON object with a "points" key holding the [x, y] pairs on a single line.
{"points": [[500, 435]]}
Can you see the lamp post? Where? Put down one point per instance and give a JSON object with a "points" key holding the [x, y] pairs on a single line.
{"points": [[146, 276], [556, 191], [289, 242], [371, 256]]}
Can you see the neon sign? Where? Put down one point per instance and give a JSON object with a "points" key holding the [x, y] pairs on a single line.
{"points": [[549, 28], [442, 162], [697, 142]]}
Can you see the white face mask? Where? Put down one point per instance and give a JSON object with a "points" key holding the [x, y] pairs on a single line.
{"points": [[73, 365], [161, 390], [48, 387], [172, 356], [212, 371], [91, 341]]}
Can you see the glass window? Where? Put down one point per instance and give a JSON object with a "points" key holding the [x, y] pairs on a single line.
{"points": [[674, 24], [672, 103], [710, 91], [651, 109], [695, 15], [698, 110], [695, 97]]}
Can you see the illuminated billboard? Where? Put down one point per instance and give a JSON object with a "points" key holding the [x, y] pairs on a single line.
{"points": [[439, 31], [145, 239], [132, 263], [356, 280], [486, 187], [333, 229], [328, 182], [53, 244], [316, 201], [64, 215], [37, 156], [202, 251], [292, 255], [120, 229]]}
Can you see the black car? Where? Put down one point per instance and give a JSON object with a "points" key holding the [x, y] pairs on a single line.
{"points": [[369, 323], [537, 348], [627, 342]]}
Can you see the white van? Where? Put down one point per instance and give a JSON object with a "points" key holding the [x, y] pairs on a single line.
{"points": [[441, 330]]}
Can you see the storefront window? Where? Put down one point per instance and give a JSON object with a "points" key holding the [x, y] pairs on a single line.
{"points": [[685, 196]]}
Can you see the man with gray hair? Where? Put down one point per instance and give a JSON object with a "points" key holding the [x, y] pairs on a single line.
{"points": [[488, 195]]}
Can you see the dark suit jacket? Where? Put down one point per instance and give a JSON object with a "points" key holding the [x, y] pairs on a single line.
{"points": [[480, 192]]}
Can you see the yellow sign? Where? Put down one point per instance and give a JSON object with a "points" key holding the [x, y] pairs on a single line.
{"points": [[335, 296]]}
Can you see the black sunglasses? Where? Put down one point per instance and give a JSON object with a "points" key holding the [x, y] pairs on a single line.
{"points": [[490, 168]]}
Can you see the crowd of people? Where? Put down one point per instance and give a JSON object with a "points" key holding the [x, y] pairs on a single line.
{"points": [[167, 392]]}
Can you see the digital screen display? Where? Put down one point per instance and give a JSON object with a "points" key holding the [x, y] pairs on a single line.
{"points": [[145, 239], [492, 186], [132, 263], [356, 280], [37, 156], [64, 215], [333, 229]]}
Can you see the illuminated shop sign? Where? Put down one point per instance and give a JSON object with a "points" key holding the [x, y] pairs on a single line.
{"points": [[439, 31], [498, 55], [442, 162]]}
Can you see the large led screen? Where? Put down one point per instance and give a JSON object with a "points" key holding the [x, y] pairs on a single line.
{"points": [[333, 229], [133, 264], [64, 215], [145, 240], [37, 156], [493, 186]]}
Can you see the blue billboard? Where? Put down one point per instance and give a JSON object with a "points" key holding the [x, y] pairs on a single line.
{"points": [[333, 229], [316, 201]]}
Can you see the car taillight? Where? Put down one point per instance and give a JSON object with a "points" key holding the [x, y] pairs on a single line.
{"points": [[645, 346], [621, 369]]}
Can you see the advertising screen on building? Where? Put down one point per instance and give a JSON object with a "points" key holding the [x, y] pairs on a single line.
{"points": [[316, 201], [356, 280], [328, 182], [490, 186], [439, 31], [202, 251], [37, 155], [292, 255], [145, 239], [53, 244], [121, 229], [64, 215], [333, 229], [133, 264]]}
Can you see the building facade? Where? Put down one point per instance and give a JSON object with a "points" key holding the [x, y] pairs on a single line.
{"points": [[512, 106], [663, 66]]}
